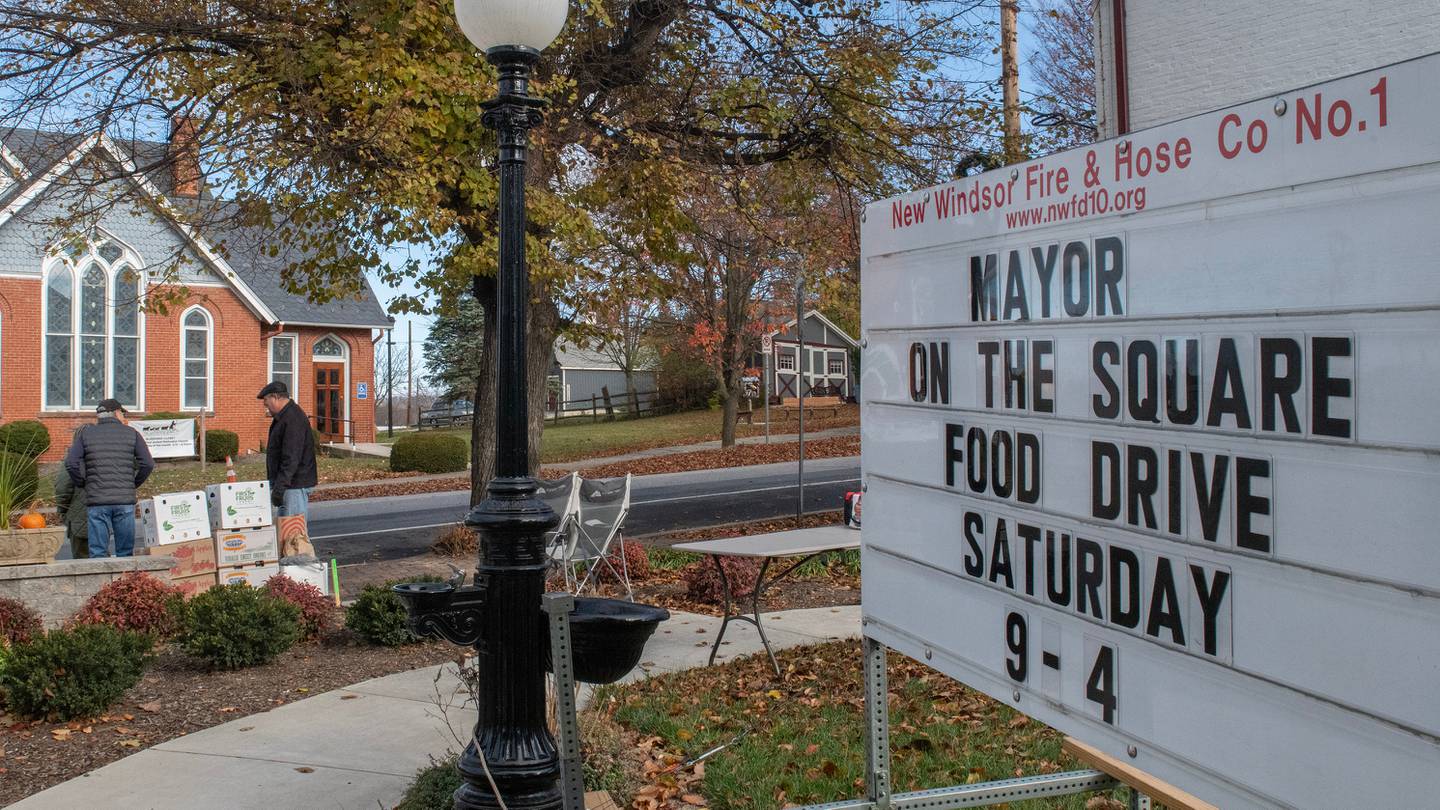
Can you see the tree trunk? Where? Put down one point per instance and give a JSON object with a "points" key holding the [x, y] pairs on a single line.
{"points": [[731, 407], [630, 393], [542, 322]]}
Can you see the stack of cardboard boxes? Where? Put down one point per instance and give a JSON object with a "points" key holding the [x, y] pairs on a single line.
{"points": [[224, 534], [247, 549]]}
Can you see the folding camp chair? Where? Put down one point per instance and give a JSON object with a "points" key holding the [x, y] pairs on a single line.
{"points": [[604, 506], [563, 496]]}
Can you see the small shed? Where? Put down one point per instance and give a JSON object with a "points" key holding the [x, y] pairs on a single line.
{"points": [[819, 353], [579, 374]]}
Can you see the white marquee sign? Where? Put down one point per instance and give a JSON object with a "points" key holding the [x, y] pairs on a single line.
{"points": [[1152, 442]]}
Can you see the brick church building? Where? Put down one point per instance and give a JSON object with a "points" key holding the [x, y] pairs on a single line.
{"points": [[74, 330]]}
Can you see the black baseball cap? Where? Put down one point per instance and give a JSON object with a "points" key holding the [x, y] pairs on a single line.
{"points": [[276, 387], [109, 405]]}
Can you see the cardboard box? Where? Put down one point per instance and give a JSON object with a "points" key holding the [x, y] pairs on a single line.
{"points": [[317, 574], [252, 575], [243, 546], [178, 517], [294, 536], [241, 505], [192, 558], [191, 586]]}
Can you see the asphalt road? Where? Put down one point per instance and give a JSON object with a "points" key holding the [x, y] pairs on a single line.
{"points": [[388, 528]]}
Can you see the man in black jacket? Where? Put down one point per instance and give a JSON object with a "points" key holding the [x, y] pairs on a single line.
{"points": [[289, 451], [109, 460]]}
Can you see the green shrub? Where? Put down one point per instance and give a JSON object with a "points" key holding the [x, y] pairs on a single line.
{"points": [[26, 437], [72, 673], [221, 443], [379, 617], [236, 626], [433, 789], [429, 453], [137, 602]]}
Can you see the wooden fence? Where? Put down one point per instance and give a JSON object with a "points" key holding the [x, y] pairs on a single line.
{"points": [[604, 405]]}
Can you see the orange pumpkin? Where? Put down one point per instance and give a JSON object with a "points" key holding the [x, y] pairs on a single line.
{"points": [[32, 520]]}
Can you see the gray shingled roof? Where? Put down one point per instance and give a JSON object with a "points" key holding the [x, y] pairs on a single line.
{"points": [[244, 247], [570, 356]]}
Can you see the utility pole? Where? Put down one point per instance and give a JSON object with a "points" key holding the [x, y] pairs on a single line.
{"points": [[800, 391], [409, 368], [1010, 80], [390, 382]]}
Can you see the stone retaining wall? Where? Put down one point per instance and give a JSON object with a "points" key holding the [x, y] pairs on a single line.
{"points": [[56, 590]]}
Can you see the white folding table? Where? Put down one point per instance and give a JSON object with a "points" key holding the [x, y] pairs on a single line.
{"points": [[805, 543]]}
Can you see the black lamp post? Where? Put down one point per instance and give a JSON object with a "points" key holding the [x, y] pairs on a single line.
{"points": [[512, 752]]}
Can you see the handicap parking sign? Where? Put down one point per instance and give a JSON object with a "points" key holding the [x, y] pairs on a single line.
{"points": [[362, 390]]}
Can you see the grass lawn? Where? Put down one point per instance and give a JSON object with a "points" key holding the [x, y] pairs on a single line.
{"points": [[184, 476], [805, 740], [579, 438]]}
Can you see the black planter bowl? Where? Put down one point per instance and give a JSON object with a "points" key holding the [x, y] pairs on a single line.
{"points": [[424, 597], [607, 637]]}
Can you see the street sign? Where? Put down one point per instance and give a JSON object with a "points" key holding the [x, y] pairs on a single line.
{"points": [[767, 343], [1150, 446], [362, 390]]}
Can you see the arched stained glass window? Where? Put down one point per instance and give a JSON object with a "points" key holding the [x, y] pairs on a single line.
{"points": [[94, 331]]}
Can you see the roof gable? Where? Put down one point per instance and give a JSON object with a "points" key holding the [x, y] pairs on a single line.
{"points": [[816, 316], [248, 268]]}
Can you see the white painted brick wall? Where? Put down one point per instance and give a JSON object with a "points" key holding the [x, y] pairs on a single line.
{"points": [[1190, 57]]}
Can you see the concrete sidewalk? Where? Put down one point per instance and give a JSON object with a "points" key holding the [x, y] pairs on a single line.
{"points": [[590, 463], [360, 747]]}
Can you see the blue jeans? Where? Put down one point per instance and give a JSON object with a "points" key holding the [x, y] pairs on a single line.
{"points": [[297, 502], [116, 521]]}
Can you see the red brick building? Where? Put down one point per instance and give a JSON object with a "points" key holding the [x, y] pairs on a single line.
{"points": [[74, 328]]}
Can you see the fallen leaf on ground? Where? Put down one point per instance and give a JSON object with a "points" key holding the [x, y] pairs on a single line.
{"points": [[129, 743], [152, 706], [303, 769]]}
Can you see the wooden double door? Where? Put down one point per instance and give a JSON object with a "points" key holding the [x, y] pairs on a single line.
{"points": [[329, 410]]}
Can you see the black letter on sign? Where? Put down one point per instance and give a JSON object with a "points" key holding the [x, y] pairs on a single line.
{"points": [[1089, 576], [1109, 275], [1248, 504], [1211, 596], [976, 448], [1074, 279], [1044, 259], [1104, 475], [1141, 486], [974, 560], [1274, 386], [1165, 604], [1105, 353], [1057, 569], [989, 349], [984, 288], [1124, 587], [940, 371], [1016, 307], [1002, 463], [1015, 640], [1000, 555], [1209, 491], [1323, 386], [1027, 467], [919, 384], [1191, 412], [953, 455], [1144, 389], [1041, 376], [1227, 390]]}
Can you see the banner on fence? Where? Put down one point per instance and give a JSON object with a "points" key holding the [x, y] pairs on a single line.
{"points": [[1149, 442]]}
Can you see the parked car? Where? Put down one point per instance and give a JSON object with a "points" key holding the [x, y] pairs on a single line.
{"points": [[448, 413]]}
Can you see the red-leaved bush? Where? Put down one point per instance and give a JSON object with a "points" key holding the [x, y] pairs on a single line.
{"points": [[18, 623], [137, 602], [637, 562], [702, 581], [316, 609]]}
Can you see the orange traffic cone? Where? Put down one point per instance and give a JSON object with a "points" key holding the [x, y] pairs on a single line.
{"points": [[229, 470]]}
